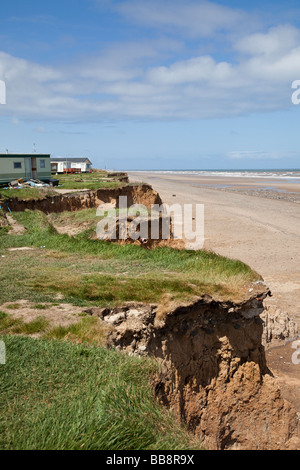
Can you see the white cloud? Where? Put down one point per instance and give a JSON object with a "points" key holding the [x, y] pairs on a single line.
{"points": [[196, 69], [201, 18], [258, 155], [14, 67], [279, 69], [277, 41], [132, 80]]}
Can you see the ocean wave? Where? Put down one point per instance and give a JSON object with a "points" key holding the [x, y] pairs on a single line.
{"points": [[273, 174]]}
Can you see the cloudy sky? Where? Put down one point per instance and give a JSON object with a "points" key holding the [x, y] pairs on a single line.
{"points": [[152, 84]]}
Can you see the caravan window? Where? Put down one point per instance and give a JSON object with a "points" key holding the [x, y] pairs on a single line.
{"points": [[42, 164], [17, 165]]}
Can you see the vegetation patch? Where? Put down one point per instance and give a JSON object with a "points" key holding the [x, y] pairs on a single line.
{"points": [[88, 330], [87, 271], [12, 325], [59, 396], [26, 193], [90, 181]]}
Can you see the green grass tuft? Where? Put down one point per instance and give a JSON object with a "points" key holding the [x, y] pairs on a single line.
{"points": [[59, 396], [88, 330], [11, 325]]}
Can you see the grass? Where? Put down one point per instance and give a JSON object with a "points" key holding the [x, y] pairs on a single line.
{"points": [[27, 193], [11, 325], [85, 220], [88, 217], [95, 272], [8, 323], [88, 330], [13, 306], [60, 396], [91, 185], [105, 290], [37, 325], [4, 225], [90, 181]]}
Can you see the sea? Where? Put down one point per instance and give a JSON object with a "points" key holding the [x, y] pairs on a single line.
{"points": [[286, 174]]}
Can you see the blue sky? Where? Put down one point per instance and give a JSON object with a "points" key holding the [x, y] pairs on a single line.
{"points": [[152, 84]]}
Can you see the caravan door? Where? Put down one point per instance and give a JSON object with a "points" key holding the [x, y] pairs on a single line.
{"points": [[28, 173], [34, 168]]}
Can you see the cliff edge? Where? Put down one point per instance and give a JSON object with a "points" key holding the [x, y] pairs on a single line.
{"points": [[213, 371]]}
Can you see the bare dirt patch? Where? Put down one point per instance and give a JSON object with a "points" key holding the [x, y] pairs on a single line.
{"points": [[21, 248], [56, 315], [16, 228], [71, 230]]}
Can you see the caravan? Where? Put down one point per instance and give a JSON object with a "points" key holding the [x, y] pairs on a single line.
{"points": [[24, 166]]}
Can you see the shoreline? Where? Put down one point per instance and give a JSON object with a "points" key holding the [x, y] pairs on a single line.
{"points": [[282, 188]]}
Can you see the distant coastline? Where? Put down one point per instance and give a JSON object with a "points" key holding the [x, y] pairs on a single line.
{"points": [[272, 184], [256, 173]]}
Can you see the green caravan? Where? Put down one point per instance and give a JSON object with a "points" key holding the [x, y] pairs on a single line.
{"points": [[25, 167]]}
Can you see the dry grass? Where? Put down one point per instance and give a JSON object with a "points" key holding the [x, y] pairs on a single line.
{"points": [[167, 305], [89, 330]]}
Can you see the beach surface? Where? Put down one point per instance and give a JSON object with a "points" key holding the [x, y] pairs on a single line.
{"points": [[247, 220], [255, 220]]}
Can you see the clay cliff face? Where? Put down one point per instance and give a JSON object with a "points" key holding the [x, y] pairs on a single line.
{"points": [[213, 371], [136, 194]]}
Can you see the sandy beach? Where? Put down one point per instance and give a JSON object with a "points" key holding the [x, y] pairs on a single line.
{"points": [[246, 221], [258, 222]]}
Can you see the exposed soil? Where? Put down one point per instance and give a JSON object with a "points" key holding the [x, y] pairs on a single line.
{"points": [[214, 374], [57, 315], [16, 228], [136, 194]]}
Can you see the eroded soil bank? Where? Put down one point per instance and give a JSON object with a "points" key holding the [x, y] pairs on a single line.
{"points": [[136, 194], [213, 370]]}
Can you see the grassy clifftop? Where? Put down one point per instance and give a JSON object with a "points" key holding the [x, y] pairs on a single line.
{"points": [[76, 182], [60, 389], [84, 270]]}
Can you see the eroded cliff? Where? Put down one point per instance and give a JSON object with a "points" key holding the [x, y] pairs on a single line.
{"points": [[213, 372], [136, 194]]}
